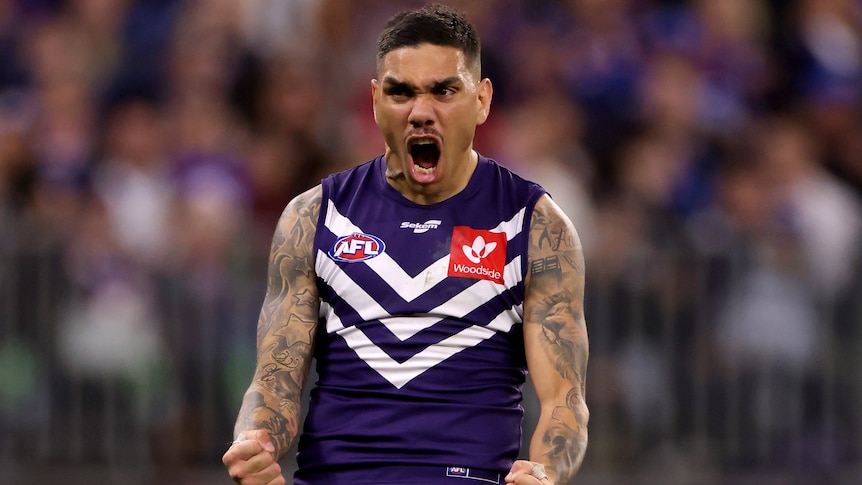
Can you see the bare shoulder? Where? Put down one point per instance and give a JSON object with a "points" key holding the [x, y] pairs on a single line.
{"points": [[310, 200], [294, 234], [301, 212]]}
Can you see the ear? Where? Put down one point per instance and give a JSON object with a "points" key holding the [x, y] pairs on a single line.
{"points": [[486, 92], [374, 87]]}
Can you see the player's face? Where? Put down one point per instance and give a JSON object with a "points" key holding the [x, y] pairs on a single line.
{"points": [[428, 103]]}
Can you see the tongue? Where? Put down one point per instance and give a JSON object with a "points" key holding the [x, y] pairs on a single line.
{"points": [[425, 156]]}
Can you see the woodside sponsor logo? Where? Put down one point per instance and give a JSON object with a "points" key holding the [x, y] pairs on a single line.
{"points": [[478, 254]]}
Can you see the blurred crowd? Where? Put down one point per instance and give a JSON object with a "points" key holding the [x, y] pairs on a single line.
{"points": [[708, 151]]}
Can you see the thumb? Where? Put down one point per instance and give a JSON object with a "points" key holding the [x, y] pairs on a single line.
{"points": [[522, 466], [262, 437], [521, 472]]}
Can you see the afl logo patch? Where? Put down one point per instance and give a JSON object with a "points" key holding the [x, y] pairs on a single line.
{"points": [[356, 247]]}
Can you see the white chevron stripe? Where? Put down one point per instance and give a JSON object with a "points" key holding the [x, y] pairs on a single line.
{"points": [[409, 288], [405, 327], [399, 374]]}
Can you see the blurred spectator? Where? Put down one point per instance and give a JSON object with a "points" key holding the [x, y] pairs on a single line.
{"points": [[830, 38], [542, 138], [671, 99], [202, 305], [134, 180], [822, 210], [108, 343], [825, 56], [766, 336], [275, 29], [602, 53]]}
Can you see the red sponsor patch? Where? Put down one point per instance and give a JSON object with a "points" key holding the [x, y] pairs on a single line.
{"points": [[477, 254]]}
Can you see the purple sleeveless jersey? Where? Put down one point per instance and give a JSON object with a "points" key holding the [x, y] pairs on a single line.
{"points": [[420, 352]]}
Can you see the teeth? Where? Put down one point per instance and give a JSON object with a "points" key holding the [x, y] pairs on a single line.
{"points": [[426, 171], [424, 141]]}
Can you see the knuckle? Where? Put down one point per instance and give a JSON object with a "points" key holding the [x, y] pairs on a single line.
{"points": [[227, 458]]}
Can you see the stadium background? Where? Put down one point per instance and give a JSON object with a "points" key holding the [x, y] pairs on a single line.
{"points": [[709, 151]]}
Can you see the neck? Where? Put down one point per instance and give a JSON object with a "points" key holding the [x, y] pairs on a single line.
{"points": [[433, 193]]}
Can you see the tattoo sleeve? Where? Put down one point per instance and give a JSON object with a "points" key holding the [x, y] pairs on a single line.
{"points": [[286, 327], [556, 341]]}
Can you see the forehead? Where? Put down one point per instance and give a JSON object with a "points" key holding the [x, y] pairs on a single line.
{"points": [[425, 63]]}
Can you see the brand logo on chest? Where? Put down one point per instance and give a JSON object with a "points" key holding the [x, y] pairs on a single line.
{"points": [[477, 254], [420, 227]]}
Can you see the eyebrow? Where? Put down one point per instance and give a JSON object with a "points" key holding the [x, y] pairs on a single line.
{"points": [[391, 82]]}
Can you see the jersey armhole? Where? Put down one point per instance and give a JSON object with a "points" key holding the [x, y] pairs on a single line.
{"points": [[326, 189]]}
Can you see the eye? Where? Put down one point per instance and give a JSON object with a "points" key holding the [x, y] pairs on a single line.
{"points": [[444, 91], [398, 92]]}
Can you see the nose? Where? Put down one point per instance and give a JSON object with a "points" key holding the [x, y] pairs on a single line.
{"points": [[422, 112]]}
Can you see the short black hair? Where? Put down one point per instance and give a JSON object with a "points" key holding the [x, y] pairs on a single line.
{"points": [[433, 24]]}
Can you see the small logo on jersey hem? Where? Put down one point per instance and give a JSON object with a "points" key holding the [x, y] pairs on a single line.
{"points": [[420, 227], [472, 474], [356, 247]]}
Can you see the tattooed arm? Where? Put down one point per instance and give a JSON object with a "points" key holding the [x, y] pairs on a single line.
{"points": [[555, 339], [268, 420]]}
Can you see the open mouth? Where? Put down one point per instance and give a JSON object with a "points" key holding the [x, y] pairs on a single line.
{"points": [[425, 154]]}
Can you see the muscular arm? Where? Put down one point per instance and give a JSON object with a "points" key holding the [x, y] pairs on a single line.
{"points": [[555, 338], [286, 327]]}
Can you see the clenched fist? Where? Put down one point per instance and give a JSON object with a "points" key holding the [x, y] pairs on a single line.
{"points": [[250, 460], [525, 472]]}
